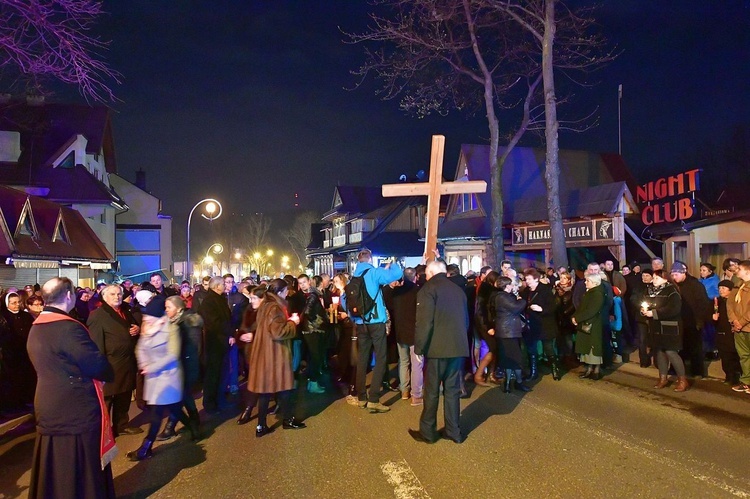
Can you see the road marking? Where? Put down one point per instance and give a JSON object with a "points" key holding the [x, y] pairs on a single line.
{"points": [[644, 450], [405, 483]]}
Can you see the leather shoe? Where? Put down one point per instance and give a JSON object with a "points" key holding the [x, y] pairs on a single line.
{"points": [[293, 424], [262, 430], [245, 417], [444, 435], [417, 435], [130, 430]]}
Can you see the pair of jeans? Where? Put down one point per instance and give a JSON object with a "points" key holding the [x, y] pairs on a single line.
{"points": [[410, 370], [371, 337], [230, 368]]}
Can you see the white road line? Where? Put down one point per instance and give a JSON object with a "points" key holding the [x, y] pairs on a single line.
{"points": [[405, 483], [644, 450]]}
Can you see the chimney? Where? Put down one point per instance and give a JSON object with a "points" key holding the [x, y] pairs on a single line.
{"points": [[140, 179]]}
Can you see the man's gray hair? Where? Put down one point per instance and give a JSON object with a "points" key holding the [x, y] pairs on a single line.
{"points": [[437, 266], [215, 282], [108, 287]]}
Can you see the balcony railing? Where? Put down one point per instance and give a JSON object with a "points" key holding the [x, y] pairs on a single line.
{"points": [[327, 243], [339, 240]]}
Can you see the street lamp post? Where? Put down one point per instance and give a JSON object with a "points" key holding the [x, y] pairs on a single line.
{"points": [[212, 206]]}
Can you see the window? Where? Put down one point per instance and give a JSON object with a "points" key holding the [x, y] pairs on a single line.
{"points": [[103, 217], [466, 203], [61, 234], [69, 161]]}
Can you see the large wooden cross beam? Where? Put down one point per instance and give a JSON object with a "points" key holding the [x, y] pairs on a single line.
{"points": [[433, 190]]}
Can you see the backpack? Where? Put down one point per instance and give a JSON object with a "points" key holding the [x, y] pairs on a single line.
{"points": [[359, 303]]}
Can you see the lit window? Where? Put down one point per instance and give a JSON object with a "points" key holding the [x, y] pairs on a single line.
{"points": [[466, 202]]}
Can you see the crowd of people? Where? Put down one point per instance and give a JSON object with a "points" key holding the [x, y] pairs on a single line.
{"points": [[158, 345]]}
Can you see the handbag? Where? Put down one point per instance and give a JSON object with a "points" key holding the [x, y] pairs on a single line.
{"points": [[669, 328]]}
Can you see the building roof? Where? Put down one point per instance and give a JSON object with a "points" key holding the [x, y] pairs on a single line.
{"points": [[349, 200], [60, 233], [523, 181], [668, 229], [47, 127], [598, 200]]}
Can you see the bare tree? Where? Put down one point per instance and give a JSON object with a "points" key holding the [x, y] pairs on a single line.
{"points": [[42, 39], [577, 49], [298, 234], [465, 55], [254, 234]]}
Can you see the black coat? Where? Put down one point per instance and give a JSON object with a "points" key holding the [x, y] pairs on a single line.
{"points": [[191, 328], [505, 312], [665, 303], [111, 333], [542, 325], [482, 320], [66, 360], [403, 301], [217, 319], [698, 307], [314, 317], [442, 320]]}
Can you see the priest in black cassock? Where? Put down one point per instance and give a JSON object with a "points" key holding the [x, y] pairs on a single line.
{"points": [[74, 443]]}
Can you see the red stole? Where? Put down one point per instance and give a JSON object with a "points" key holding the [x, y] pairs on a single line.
{"points": [[107, 446]]}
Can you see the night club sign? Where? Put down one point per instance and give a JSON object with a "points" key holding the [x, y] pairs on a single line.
{"points": [[601, 231], [669, 199]]}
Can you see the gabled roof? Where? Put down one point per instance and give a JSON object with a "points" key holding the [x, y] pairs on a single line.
{"points": [[82, 244], [65, 185], [47, 127], [523, 178], [667, 229], [598, 200], [349, 200]]}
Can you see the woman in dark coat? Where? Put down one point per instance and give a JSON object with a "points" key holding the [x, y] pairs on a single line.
{"points": [[663, 307], [191, 337], [541, 311], [270, 365], [565, 309], [507, 323], [482, 324], [347, 348], [588, 321]]}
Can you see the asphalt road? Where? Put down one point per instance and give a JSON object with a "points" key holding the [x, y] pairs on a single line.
{"points": [[616, 437]]}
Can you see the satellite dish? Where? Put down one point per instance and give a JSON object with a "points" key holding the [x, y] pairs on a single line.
{"points": [[402, 177], [421, 175]]}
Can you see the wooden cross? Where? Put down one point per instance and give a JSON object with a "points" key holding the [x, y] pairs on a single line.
{"points": [[433, 190]]}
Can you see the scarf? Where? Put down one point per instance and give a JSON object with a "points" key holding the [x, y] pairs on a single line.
{"points": [[107, 446]]}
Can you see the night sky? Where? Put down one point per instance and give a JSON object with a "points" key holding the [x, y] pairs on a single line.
{"points": [[249, 101]]}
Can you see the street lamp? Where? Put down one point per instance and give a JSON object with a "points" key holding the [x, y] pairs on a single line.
{"points": [[212, 206], [216, 249]]}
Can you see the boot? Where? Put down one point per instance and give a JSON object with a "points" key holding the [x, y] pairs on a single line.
{"points": [[556, 369], [479, 379], [508, 379], [194, 425], [533, 373], [245, 417], [663, 382], [143, 452], [168, 431], [682, 384], [521, 387], [314, 387], [292, 424]]}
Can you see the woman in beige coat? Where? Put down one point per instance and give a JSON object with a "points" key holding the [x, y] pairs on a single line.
{"points": [[270, 360]]}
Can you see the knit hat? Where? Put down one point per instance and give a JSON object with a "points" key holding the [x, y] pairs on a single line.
{"points": [[678, 267], [647, 271], [143, 297], [727, 284]]}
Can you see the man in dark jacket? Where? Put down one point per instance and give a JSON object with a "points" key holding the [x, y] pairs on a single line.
{"points": [[200, 294], [440, 336], [217, 320], [697, 310], [402, 298], [115, 332]]}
